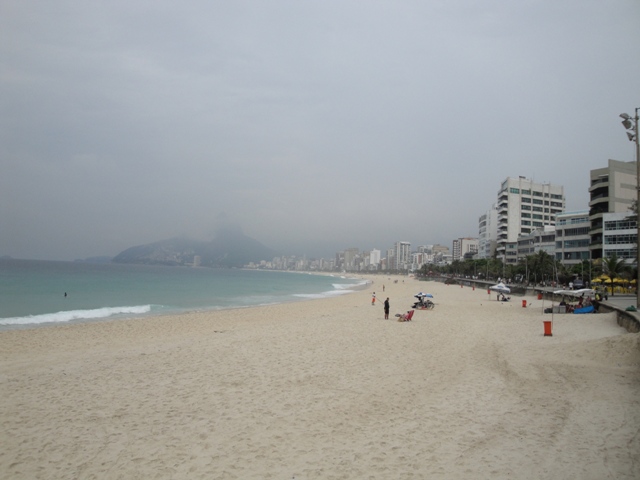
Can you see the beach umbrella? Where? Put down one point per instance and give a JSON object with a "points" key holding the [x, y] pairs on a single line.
{"points": [[500, 288], [422, 295]]}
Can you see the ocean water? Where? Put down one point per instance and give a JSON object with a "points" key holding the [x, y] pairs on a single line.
{"points": [[33, 292]]}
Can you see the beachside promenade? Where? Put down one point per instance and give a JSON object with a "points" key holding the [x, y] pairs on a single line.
{"points": [[618, 303]]}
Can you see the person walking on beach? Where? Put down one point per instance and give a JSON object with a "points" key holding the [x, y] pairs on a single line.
{"points": [[373, 299], [386, 309]]}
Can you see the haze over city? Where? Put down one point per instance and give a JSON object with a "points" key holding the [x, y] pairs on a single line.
{"points": [[315, 126]]}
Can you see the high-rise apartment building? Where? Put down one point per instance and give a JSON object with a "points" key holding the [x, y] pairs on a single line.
{"points": [[524, 206], [572, 237], [464, 246], [402, 254], [374, 257], [620, 234], [488, 233], [612, 190]]}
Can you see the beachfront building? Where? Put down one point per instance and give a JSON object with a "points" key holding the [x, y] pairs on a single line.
{"points": [[612, 190], [572, 237], [524, 206], [400, 256], [488, 233], [374, 259], [620, 236], [543, 239], [420, 258], [441, 255], [464, 247], [350, 258]]}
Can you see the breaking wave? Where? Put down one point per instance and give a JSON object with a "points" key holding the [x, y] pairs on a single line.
{"points": [[67, 316]]}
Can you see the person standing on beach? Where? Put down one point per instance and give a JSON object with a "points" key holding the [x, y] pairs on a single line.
{"points": [[373, 299], [386, 309]]}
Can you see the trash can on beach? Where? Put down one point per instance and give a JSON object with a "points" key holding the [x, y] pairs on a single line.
{"points": [[547, 328], [539, 296], [524, 304]]}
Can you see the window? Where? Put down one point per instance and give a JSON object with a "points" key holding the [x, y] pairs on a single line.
{"points": [[537, 209], [537, 201], [576, 243], [537, 194], [514, 190], [526, 200], [525, 215], [537, 217], [625, 224], [621, 253], [526, 192], [580, 220], [525, 222], [572, 232], [525, 207], [619, 239]]}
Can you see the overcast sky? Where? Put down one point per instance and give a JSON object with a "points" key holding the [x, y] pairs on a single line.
{"points": [[314, 125]]}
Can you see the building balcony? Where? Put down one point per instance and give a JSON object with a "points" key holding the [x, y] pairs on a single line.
{"points": [[599, 182], [601, 199], [598, 211]]}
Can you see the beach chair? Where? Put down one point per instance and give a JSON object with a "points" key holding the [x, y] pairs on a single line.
{"points": [[405, 317]]}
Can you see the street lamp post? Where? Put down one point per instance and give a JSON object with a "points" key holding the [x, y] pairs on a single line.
{"points": [[631, 124]]}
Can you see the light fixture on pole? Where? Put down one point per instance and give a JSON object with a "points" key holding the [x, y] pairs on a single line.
{"points": [[631, 124]]}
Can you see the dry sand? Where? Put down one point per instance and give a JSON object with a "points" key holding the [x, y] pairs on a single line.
{"points": [[326, 389]]}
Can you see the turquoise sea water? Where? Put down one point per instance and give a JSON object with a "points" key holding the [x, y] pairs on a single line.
{"points": [[33, 292]]}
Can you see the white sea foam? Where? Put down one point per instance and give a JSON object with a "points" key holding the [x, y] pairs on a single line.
{"points": [[67, 316], [347, 286], [330, 293]]}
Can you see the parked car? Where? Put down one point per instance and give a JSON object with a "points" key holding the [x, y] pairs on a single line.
{"points": [[578, 283]]}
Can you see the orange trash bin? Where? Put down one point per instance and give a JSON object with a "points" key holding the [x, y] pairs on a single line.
{"points": [[539, 296], [547, 328], [524, 304]]}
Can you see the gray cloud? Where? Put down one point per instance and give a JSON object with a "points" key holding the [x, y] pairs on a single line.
{"points": [[313, 125]]}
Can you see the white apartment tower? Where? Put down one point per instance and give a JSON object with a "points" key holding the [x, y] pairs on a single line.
{"points": [[374, 257], [402, 255], [488, 233], [524, 206]]}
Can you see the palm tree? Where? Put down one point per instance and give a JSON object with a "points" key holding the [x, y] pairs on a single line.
{"points": [[541, 264], [613, 267]]}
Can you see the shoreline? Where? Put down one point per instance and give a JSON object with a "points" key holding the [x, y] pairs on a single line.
{"points": [[188, 310], [326, 388]]}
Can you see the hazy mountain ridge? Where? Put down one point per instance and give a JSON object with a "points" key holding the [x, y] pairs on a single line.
{"points": [[231, 248]]}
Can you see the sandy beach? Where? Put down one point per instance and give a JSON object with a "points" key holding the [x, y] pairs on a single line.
{"points": [[326, 389]]}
